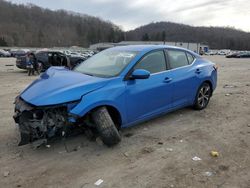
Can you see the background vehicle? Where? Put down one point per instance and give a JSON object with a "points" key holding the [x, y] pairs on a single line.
{"points": [[233, 55], [244, 55], [116, 88], [210, 53], [19, 52], [221, 53], [50, 58], [4, 53], [238, 55]]}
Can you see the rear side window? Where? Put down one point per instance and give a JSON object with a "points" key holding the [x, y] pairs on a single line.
{"points": [[42, 54], [177, 59], [190, 58], [153, 62]]}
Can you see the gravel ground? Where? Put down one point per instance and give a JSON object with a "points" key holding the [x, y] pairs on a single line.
{"points": [[157, 153]]}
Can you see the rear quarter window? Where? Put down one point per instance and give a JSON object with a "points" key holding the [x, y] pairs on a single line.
{"points": [[190, 58], [177, 58]]}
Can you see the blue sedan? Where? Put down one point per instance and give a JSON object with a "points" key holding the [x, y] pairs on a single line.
{"points": [[118, 87]]}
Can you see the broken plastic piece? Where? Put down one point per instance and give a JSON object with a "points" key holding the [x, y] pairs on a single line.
{"points": [[99, 182], [208, 174], [214, 153], [169, 149], [6, 173], [196, 158]]}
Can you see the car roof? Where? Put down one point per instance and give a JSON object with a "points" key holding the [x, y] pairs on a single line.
{"points": [[47, 51], [141, 48]]}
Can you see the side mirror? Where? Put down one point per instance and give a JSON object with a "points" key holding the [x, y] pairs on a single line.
{"points": [[140, 74]]}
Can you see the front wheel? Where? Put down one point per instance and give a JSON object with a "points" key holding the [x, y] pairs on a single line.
{"points": [[106, 127], [203, 96]]}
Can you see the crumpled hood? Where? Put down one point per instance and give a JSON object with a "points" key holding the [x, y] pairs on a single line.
{"points": [[59, 85]]}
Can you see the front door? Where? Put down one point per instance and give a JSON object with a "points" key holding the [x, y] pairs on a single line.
{"points": [[148, 97]]}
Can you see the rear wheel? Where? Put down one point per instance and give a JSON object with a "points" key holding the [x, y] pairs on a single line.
{"points": [[203, 96], [106, 127]]}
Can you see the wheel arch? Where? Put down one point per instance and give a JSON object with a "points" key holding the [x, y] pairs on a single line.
{"points": [[210, 84], [114, 112]]}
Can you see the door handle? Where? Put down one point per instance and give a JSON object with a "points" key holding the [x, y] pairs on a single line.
{"points": [[198, 71], [167, 80]]}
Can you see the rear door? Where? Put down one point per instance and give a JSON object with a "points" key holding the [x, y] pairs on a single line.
{"points": [[148, 97], [183, 74], [43, 58]]}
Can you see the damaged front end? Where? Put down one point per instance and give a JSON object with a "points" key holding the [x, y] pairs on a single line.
{"points": [[38, 124]]}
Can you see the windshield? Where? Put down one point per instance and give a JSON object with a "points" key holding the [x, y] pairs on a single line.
{"points": [[107, 63]]}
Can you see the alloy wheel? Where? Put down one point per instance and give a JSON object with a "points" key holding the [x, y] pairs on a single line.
{"points": [[204, 95]]}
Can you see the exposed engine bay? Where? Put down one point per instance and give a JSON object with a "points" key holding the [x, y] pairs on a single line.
{"points": [[37, 124]]}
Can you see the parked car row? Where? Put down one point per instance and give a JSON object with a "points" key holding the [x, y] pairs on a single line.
{"points": [[218, 52], [13, 52], [47, 58], [238, 55]]}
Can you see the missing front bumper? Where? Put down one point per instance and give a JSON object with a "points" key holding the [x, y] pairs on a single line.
{"points": [[38, 124]]}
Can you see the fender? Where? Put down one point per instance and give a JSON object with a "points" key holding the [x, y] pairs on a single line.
{"points": [[102, 97]]}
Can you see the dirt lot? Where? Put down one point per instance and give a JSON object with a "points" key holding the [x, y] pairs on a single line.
{"points": [[157, 153]]}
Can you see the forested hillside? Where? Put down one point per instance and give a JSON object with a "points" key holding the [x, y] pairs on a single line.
{"points": [[32, 26], [37, 27], [215, 37]]}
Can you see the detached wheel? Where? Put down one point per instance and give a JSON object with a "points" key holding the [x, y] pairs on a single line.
{"points": [[106, 127], [203, 96]]}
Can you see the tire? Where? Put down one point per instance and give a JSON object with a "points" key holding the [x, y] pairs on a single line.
{"points": [[203, 96], [106, 127]]}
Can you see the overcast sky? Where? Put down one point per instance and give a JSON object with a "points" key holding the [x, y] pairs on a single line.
{"points": [[130, 14]]}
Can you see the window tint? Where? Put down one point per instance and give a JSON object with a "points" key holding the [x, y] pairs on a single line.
{"points": [[177, 59], [153, 62], [42, 54], [190, 58]]}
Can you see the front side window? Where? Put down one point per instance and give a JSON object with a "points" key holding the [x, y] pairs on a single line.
{"points": [[107, 63], [153, 62], [177, 59]]}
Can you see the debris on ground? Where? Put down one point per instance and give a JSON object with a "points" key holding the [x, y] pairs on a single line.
{"points": [[61, 152], [214, 154], [229, 86], [223, 168], [128, 135], [6, 174], [208, 174], [196, 158], [228, 94], [99, 182], [181, 141], [147, 150], [48, 146], [169, 149], [99, 141], [126, 154], [160, 143]]}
